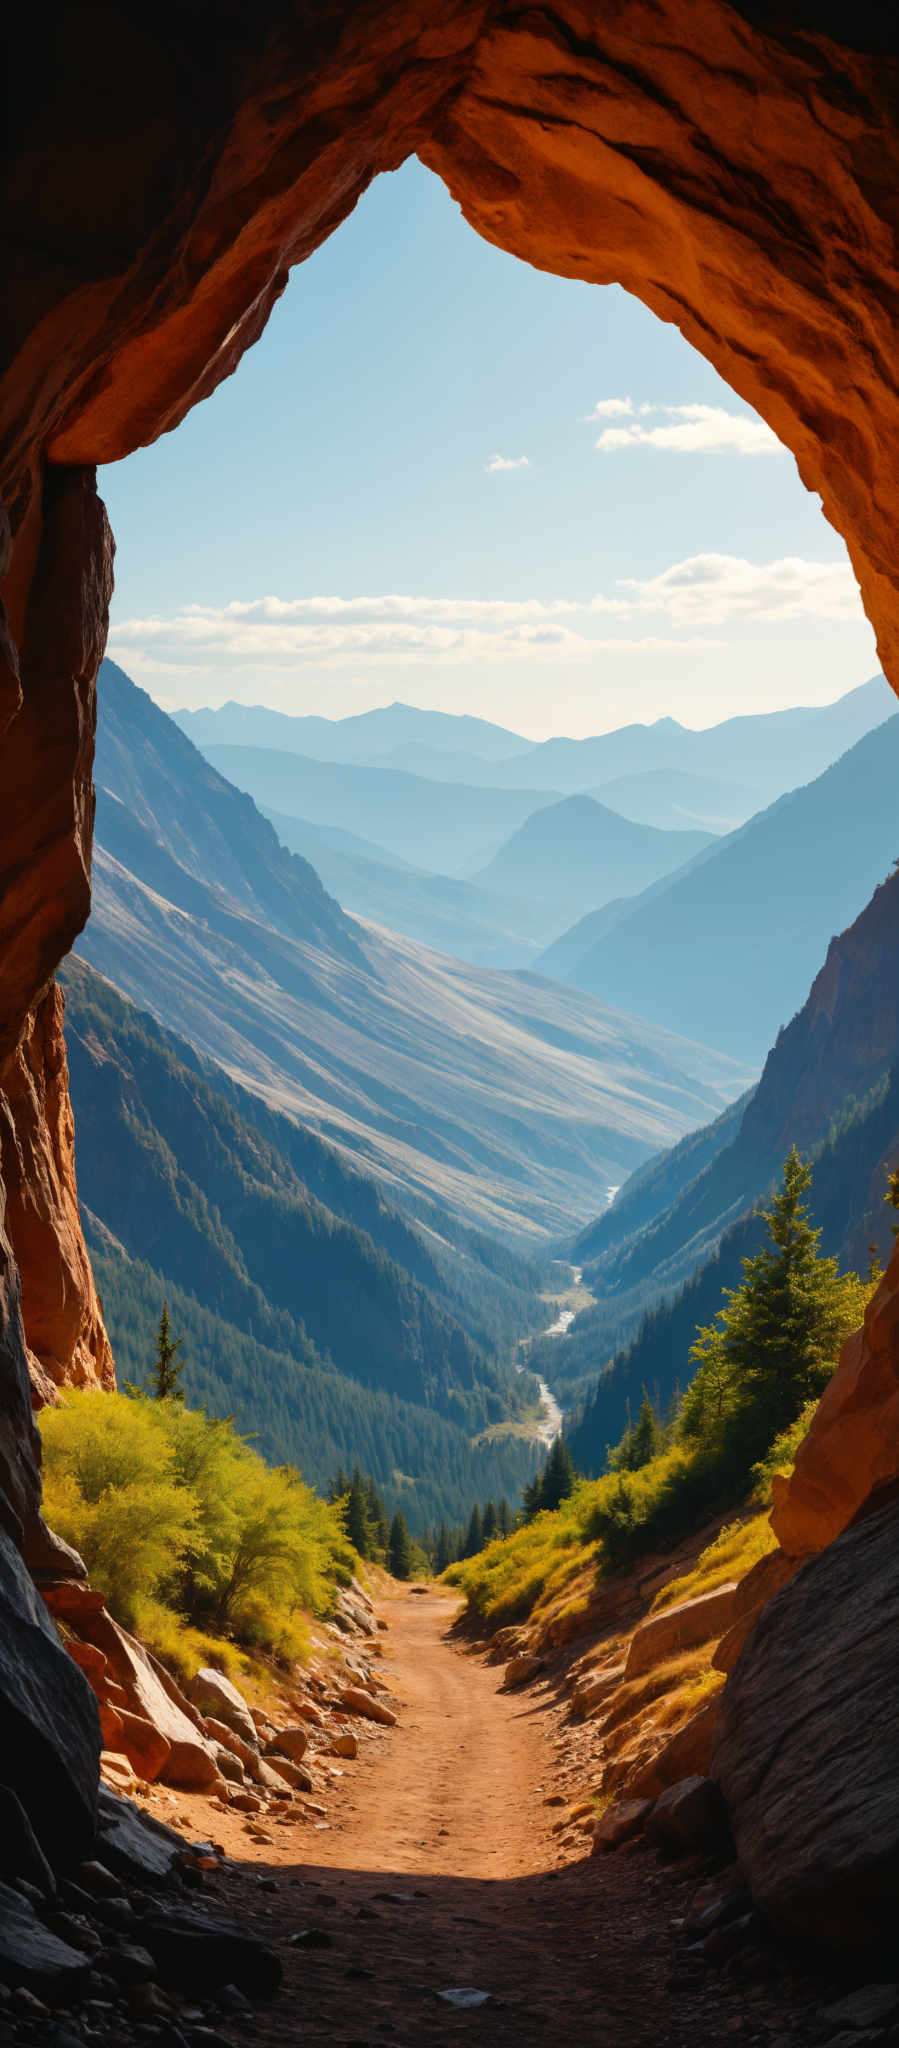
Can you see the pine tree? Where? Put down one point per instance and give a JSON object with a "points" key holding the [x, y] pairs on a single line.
{"points": [[400, 1548], [774, 1343], [645, 1437], [504, 1518], [356, 1518], [378, 1524], [490, 1522], [558, 1475], [167, 1367], [443, 1555], [474, 1540]]}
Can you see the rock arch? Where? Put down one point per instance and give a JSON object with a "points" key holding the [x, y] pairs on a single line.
{"points": [[734, 165]]}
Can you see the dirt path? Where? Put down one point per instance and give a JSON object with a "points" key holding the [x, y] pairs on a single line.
{"points": [[438, 1869]]}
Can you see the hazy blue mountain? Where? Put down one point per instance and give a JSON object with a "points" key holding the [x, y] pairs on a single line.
{"points": [[678, 1229], [769, 751], [727, 950], [440, 910], [677, 801], [365, 737], [447, 827], [510, 1101], [581, 852]]}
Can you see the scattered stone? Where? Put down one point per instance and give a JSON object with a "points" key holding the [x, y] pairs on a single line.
{"points": [[344, 1743], [131, 1965], [722, 1898], [312, 1937], [465, 1997], [99, 1883], [246, 1802], [292, 1774], [140, 1848], [359, 1702]]}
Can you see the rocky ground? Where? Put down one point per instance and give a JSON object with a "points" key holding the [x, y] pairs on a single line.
{"points": [[445, 1859]]}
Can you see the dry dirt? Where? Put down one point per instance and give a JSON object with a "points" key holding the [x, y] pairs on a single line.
{"points": [[438, 1868]]}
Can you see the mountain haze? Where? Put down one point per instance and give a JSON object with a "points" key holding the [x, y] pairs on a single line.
{"points": [[728, 948], [506, 1100], [580, 850]]}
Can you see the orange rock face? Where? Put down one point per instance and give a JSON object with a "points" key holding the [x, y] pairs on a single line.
{"points": [[852, 1448], [67, 1342]]}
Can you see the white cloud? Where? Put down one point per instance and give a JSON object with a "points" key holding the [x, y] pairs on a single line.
{"points": [[687, 430], [508, 462], [713, 590], [690, 601], [612, 409]]}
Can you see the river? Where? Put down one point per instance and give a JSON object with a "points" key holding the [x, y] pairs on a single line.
{"points": [[550, 1424]]}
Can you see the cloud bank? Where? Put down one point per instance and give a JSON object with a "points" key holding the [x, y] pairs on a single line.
{"points": [[683, 429]]}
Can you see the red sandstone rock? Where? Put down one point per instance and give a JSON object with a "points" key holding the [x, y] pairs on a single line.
{"points": [[852, 1447], [686, 1754], [63, 1324], [759, 1585], [360, 1702], [680, 1628]]}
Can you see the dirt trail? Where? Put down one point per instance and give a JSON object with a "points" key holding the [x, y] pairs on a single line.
{"points": [[452, 1793], [438, 1869]]}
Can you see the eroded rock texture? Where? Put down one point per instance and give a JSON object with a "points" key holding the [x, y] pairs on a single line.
{"points": [[852, 1448], [807, 1736], [67, 1342]]}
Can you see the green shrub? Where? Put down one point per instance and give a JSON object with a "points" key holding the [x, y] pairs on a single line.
{"points": [[177, 1516]]}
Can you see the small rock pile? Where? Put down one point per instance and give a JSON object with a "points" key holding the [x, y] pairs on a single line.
{"points": [[117, 1951], [272, 1766]]}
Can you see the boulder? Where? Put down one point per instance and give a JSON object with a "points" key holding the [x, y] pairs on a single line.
{"points": [[144, 1744], [31, 1955], [214, 1694], [808, 1738], [190, 1761], [139, 1848], [293, 1774], [689, 1815], [680, 1628], [344, 1743], [48, 1719], [226, 1738], [292, 1742], [358, 1702], [197, 1954], [620, 1823], [521, 1669]]}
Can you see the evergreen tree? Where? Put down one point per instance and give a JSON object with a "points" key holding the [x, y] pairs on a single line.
{"points": [[474, 1540], [443, 1555], [356, 1517], [558, 1475], [490, 1522], [774, 1343], [379, 1526], [400, 1548], [167, 1366], [892, 1195], [504, 1518], [645, 1437]]}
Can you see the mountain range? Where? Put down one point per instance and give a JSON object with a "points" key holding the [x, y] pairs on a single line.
{"points": [[748, 760], [506, 1100], [726, 949], [678, 1231]]}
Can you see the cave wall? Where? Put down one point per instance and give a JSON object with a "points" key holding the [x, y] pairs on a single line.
{"points": [[735, 166]]}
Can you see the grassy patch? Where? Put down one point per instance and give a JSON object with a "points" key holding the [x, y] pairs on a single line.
{"points": [[735, 1550]]}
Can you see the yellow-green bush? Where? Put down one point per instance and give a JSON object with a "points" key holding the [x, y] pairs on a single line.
{"points": [[736, 1548], [177, 1516]]}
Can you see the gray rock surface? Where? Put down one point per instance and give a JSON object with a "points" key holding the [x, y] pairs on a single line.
{"points": [[808, 1738], [30, 1955], [49, 1723]]}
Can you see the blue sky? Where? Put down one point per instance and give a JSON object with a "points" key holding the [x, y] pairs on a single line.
{"points": [[445, 477]]}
